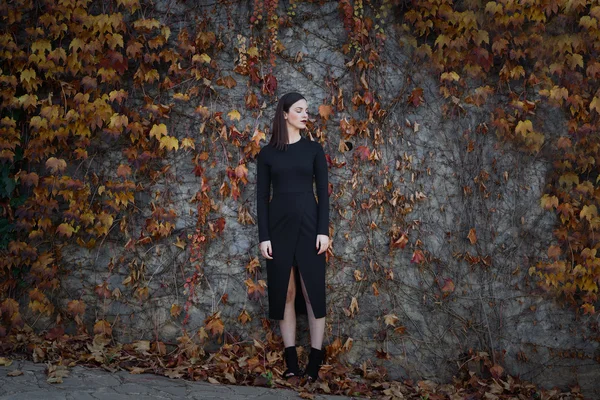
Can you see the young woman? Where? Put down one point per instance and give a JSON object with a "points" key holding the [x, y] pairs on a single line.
{"points": [[293, 229]]}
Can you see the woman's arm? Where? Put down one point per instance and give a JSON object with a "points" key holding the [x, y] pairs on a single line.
{"points": [[263, 192], [320, 168]]}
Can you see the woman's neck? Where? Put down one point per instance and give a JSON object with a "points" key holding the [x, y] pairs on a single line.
{"points": [[293, 134]]}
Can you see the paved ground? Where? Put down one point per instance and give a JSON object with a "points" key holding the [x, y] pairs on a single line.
{"points": [[96, 384]]}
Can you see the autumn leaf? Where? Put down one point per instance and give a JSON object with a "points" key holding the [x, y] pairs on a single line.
{"points": [[418, 257], [588, 308], [234, 115], [227, 81], [400, 242], [325, 111], [588, 212], [390, 319], [169, 143], [175, 310], [524, 127], [363, 152], [158, 131], [595, 104], [472, 236], [497, 371], [76, 307], [201, 58], [548, 202], [449, 76], [244, 317], [102, 327], [56, 164], [65, 229], [123, 171], [214, 324], [416, 97], [188, 143], [448, 286]]}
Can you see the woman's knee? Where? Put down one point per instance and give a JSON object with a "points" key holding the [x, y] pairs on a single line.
{"points": [[291, 291]]}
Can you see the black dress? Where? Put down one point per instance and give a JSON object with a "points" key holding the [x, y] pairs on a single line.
{"points": [[292, 220]]}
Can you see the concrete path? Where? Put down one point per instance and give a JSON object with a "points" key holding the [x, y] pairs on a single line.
{"points": [[83, 383]]}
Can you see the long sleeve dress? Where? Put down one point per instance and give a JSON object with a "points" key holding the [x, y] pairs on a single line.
{"points": [[291, 220]]}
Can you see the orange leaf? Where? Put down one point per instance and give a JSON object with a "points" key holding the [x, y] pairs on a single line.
{"points": [[175, 310], [123, 171], [472, 236], [101, 327], [56, 164], [244, 317], [227, 81], [76, 307], [214, 324], [65, 229], [497, 371], [325, 111], [401, 242]]}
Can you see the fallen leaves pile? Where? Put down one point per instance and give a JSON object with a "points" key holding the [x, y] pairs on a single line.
{"points": [[257, 364]]}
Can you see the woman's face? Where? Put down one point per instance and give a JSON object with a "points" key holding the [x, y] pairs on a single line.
{"points": [[298, 114]]}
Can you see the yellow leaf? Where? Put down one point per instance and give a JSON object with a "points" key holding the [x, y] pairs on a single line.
{"points": [[568, 178], [169, 142], [588, 22], [450, 76], [588, 308], [390, 319], [481, 36], [27, 75], [181, 96], [180, 243], [588, 212], [158, 131], [252, 51], [523, 127], [188, 143], [76, 44], [548, 202], [441, 41], [595, 104], [234, 115], [41, 46], [575, 60], [203, 58]]}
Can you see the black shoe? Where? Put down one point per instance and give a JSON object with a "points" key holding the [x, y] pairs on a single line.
{"points": [[315, 358], [291, 362]]}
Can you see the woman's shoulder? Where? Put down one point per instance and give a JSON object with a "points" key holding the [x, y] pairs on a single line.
{"points": [[317, 146]]}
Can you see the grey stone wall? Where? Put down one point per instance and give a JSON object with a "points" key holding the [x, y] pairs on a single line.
{"points": [[494, 306]]}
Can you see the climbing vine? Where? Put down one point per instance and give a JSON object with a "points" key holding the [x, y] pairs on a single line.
{"points": [[90, 157]]}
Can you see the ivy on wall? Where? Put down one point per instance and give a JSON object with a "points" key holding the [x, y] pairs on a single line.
{"points": [[89, 78]]}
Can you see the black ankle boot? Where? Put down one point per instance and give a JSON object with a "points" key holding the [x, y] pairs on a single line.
{"points": [[315, 358], [291, 362]]}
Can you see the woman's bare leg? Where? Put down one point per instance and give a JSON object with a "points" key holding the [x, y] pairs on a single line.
{"points": [[316, 325], [287, 326]]}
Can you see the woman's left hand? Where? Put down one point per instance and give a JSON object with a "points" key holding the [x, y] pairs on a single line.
{"points": [[322, 243]]}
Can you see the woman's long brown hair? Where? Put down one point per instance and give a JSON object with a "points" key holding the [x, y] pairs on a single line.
{"points": [[279, 133]]}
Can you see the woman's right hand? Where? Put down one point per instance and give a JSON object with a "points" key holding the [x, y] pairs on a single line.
{"points": [[265, 249]]}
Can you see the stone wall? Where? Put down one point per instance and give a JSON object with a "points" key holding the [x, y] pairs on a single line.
{"points": [[453, 174]]}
